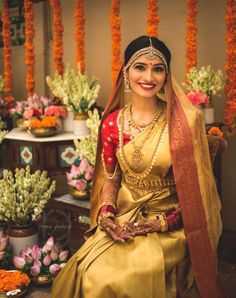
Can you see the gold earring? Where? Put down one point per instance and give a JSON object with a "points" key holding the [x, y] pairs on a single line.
{"points": [[127, 84]]}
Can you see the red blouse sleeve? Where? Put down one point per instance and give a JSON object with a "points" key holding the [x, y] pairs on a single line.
{"points": [[109, 143]]}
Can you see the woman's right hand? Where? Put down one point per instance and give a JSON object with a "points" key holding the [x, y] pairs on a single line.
{"points": [[115, 231]]}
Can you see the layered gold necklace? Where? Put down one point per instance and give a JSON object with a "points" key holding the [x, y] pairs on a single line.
{"points": [[137, 155]]}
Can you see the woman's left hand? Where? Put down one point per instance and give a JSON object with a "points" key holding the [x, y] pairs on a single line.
{"points": [[143, 227]]}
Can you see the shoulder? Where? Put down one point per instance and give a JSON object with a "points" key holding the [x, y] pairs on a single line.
{"points": [[111, 119]]}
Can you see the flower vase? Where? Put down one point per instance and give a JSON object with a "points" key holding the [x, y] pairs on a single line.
{"points": [[21, 236], [43, 279], [79, 194], [80, 126], [68, 122], [208, 112]]}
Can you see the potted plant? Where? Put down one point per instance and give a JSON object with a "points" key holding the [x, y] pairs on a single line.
{"points": [[42, 264], [79, 179], [204, 83], [23, 197], [78, 93]]}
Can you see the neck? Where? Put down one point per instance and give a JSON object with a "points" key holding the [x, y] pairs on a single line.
{"points": [[144, 106]]}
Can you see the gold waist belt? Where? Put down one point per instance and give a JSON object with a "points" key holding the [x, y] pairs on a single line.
{"points": [[147, 185]]}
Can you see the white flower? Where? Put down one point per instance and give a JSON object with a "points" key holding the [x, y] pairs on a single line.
{"points": [[76, 90], [205, 80]]}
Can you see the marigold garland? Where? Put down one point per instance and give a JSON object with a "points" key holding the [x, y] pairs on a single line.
{"points": [[191, 34], [79, 33], [152, 19], [6, 34], [48, 121], [230, 66], [29, 47], [58, 36], [115, 22]]}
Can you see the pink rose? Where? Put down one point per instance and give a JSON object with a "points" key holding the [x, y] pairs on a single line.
{"points": [[81, 184], [54, 269], [47, 260], [69, 176], [28, 113], [198, 98], [19, 262], [63, 255], [35, 270]]}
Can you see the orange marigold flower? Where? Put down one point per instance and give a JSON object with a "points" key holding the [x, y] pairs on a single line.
{"points": [[215, 131], [49, 121], [152, 19], [36, 123], [79, 33], [230, 90], [6, 23], [11, 280]]}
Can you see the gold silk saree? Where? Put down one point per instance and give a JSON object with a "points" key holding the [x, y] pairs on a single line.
{"points": [[146, 266]]}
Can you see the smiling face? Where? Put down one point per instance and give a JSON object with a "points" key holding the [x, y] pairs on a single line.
{"points": [[146, 77]]}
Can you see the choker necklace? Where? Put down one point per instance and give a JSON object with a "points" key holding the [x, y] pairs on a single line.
{"points": [[141, 127]]}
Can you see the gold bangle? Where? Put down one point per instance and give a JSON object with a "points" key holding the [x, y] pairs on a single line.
{"points": [[107, 203], [105, 215], [164, 224]]}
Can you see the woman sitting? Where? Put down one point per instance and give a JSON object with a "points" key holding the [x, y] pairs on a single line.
{"points": [[155, 210]]}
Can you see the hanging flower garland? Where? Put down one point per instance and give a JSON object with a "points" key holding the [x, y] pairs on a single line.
{"points": [[115, 22], [79, 33], [29, 47], [230, 66], [153, 19], [58, 36], [7, 47], [191, 35]]}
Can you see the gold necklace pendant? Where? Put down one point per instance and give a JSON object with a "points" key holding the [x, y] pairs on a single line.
{"points": [[137, 155]]}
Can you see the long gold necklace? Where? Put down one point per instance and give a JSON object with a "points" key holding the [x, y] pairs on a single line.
{"points": [[137, 155]]}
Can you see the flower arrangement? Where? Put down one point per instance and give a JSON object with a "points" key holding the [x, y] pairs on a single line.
{"points": [[77, 92], [80, 177], [153, 18], [205, 80], [24, 195], [5, 251], [79, 18], [12, 280], [57, 111], [198, 98], [215, 131], [87, 147], [36, 261], [115, 21], [34, 106]]}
